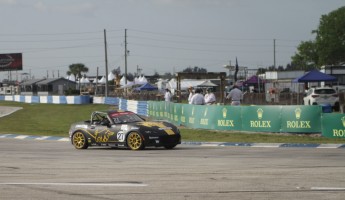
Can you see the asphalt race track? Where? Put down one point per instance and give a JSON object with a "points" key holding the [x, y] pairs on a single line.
{"points": [[44, 169]]}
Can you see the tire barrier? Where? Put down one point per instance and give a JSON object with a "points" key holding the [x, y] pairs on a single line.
{"points": [[47, 99]]}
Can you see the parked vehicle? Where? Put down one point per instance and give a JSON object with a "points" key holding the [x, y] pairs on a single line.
{"points": [[322, 96]]}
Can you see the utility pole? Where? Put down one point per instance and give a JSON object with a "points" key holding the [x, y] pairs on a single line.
{"points": [[126, 56], [96, 82], [138, 70], [106, 63], [274, 53], [126, 61], [229, 68]]}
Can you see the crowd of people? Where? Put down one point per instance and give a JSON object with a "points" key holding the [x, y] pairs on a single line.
{"points": [[196, 96]]}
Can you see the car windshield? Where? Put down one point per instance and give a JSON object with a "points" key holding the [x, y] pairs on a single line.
{"points": [[125, 117], [324, 91]]}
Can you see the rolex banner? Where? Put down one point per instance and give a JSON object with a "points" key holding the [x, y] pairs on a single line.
{"points": [[294, 119], [261, 118], [301, 119], [227, 118], [333, 125]]}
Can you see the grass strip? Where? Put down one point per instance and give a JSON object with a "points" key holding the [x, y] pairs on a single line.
{"points": [[55, 120]]}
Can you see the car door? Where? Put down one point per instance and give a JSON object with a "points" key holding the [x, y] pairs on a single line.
{"points": [[101, 128], [118, 128]]}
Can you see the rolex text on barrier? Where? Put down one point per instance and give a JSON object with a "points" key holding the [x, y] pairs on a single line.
{"points": [[303, 119], [333, 125], [261, 118], [227, 118]]}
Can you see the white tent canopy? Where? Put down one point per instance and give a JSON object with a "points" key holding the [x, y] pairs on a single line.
{"points": [[102, 80], [185, 84], [140, 80], [123, 80], [143, 80], [84, 80], [71, 77], [111, 76], [207, 83]]}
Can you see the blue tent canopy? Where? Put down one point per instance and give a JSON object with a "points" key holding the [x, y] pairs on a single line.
{"points": [[314, 76], [147, 87]]}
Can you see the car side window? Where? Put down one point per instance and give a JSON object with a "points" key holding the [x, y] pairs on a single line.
{"points": [[99, 118]]}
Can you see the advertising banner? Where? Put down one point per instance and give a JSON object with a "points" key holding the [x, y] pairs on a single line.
{"points": [[261, 118], [176, 113], [204, 116], [301, 119], [11, 61], [226, 118], [293, 119], [191, 112], [333, 125], [156, 109]]}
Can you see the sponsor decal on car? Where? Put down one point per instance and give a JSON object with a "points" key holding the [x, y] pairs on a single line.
{"points": [[160, 126], [81, 126]]}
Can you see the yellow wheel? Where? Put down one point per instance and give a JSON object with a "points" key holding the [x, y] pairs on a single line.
{"points": [[135, 141], [79, 140]]}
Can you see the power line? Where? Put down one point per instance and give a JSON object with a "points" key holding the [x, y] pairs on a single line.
{"points": [[197, 43], [196, 36], [47, 34]]}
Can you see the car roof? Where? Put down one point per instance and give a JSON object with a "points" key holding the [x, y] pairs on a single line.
{"points": [[322, 87]]}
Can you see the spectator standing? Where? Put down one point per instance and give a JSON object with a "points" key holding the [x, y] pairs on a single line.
{"points": [[210, 98], [191, 93], [167, 95], [197, 98], [235, 95]]}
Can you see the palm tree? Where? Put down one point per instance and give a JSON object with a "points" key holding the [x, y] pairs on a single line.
{"points": [[76, 69]]}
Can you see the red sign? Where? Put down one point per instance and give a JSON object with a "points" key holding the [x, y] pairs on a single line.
{"points": [[11, 61]]}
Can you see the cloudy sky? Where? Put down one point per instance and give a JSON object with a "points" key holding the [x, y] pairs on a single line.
{"points": [[162, 35]]}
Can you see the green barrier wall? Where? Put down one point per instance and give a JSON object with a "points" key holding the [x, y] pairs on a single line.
{"points": [[333, 125], [261, 118], [295, 119], [301, 119]]}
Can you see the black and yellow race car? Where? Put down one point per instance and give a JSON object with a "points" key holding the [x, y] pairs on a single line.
{"points": [[123, 129]]}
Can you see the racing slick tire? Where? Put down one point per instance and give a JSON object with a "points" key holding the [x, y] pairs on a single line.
{"points": [[135, 141], [79, 140]]}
